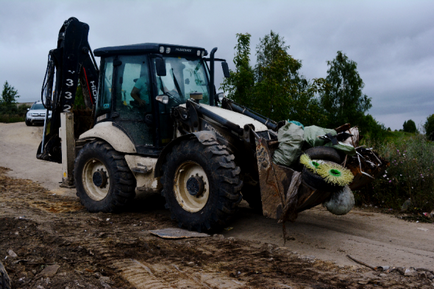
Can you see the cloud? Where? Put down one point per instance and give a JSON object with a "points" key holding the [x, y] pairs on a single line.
{"points": [[391, 41]]}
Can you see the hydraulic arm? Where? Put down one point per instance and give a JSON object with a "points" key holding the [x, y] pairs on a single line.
{"points": [[72, 61]]}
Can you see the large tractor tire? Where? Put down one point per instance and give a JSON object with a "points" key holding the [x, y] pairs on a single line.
{"points": [[103, 179], [5, 282], [324, 153], [201, 185]]}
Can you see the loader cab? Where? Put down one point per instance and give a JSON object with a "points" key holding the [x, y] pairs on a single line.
{"points": [[140, 84]]}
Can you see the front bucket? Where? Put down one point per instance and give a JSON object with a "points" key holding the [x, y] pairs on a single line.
{"points": [[280, 200]]}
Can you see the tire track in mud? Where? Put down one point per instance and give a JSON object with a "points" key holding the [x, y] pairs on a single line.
{"points": [[144, 275], [139, 274], [117, 248]]}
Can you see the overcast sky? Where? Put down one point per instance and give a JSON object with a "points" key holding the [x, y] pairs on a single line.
{"points": [[391, 41]]}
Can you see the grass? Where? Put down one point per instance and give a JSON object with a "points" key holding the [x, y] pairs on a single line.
{"points": [[410, 175], [10, 118]]}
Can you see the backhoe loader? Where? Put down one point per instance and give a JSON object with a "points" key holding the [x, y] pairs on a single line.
{"points": [[149, 119]]}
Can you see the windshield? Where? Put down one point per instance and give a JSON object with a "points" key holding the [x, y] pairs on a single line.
{"points": [[183, 77], [38, 106]]}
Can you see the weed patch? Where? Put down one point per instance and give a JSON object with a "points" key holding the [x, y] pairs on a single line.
{"points": [[408, 183]]}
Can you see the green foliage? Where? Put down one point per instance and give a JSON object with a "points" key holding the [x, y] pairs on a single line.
{"points": [[372, 130], [240, 84], [13, 113], [274, 87], [276, 74], [10, 118], [341, 95], [9, 110], [79, 98], [9, 95], [410, 175], [429, 127], [409, 126], [306, 107]]}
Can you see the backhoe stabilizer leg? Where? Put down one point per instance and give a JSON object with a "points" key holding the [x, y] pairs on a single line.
{"points": [[66, 133]]}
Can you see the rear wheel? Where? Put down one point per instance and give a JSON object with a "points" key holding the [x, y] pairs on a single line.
{"points": [[201, 185], [103, 179]]}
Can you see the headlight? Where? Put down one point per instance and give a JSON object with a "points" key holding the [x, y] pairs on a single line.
{"points": [[168, 50], [161, 49]]}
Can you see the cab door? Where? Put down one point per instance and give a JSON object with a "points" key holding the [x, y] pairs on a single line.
{"points": [[131, 73]]}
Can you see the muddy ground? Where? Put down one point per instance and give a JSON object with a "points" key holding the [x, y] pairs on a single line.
{"points": [[48, 240]]}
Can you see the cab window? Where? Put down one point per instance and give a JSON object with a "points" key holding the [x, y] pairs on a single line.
{"points": [[105, 98]]}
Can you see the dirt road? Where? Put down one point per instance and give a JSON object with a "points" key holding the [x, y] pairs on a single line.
{"points": [[46, 227]]}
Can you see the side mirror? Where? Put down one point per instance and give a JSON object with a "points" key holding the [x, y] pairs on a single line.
{"points": [[160, 65], [225, 68], [219, 97]]}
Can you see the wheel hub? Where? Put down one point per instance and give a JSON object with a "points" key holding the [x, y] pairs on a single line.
{"points": [[191, 186], [195, 186], [99, 179]]}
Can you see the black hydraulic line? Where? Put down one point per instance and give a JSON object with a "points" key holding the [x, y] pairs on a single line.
{"points": [[244, 110], [212, 73]]}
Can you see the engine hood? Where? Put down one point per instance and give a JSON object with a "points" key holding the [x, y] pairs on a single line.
{"points": [[235, 117]]}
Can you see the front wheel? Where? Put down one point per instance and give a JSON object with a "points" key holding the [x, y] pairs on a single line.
{"points": [[103, 179], [201, 185]]}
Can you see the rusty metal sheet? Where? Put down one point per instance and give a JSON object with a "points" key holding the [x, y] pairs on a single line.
{"points": [[274, 182], [271, 188]]}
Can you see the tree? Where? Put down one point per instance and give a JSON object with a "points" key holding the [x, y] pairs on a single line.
{"points": [[277, 78], [274, 87], [409, 126], [372, 129], [429, 127], [342, 97], [9, 95], [240, 84]]}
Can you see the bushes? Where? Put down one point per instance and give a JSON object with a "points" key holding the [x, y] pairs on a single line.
{"points": [[9, 118], [12, 112], [410, 175], [429, 127]]}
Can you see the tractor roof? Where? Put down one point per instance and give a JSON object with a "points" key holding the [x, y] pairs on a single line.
{"points": [[145, 48]]}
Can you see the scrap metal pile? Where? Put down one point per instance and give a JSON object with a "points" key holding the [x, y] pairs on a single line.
{"points": [[312, 166]]}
